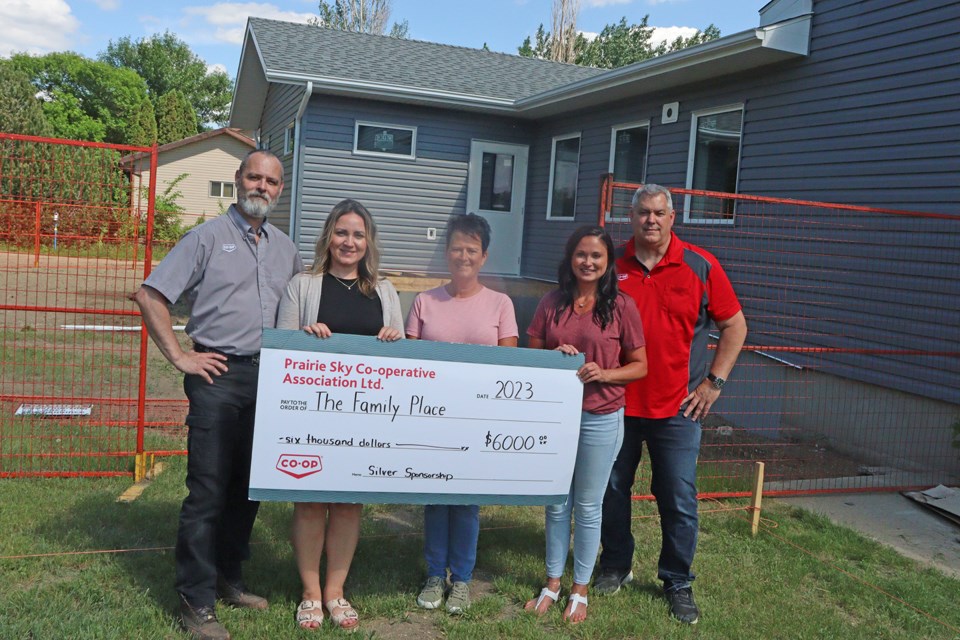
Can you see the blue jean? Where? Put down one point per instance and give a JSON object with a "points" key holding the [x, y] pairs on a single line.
{"points": [[600, 438], [673, 445], [216, 517], [450, 534]]}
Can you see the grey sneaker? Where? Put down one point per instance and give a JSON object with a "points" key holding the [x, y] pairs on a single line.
{"points": [[682, 606], [431, 595], [610, 580], [459, 599]]}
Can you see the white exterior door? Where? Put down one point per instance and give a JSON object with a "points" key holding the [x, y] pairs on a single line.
{"points": [[497, 190]]}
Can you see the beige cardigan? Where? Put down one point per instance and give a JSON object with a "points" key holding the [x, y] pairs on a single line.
{"points": [[301, 302]]}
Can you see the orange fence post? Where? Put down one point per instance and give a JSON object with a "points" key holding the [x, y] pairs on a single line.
{"points": [[140, 467], [36, 237]]}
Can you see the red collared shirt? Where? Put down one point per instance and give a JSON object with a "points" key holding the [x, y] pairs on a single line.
{"points": [[677, 299]]}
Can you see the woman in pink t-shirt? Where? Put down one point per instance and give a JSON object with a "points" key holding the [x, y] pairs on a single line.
{"points": [[587, 314], [462, 311]]}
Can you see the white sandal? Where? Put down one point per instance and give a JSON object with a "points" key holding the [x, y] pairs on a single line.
{"points": [[577, 600], [347, 619], [546, 593], [307, 613]]}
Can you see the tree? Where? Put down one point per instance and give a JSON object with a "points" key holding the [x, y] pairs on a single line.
{"points": [[621, 44], [712, 32], [618, 44], [84, 99], [176, 119], [143, 127], [539, 49], [20, 110], [166, 63], [563, 43], [362, 16]]}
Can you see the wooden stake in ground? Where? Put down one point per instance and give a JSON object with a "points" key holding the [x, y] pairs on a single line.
{"points": [[756, 498]]}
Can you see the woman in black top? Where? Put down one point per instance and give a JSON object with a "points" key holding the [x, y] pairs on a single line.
{"points": [[340, 294]]}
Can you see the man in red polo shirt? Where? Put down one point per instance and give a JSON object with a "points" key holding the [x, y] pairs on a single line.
{"points": [[679, 289]]}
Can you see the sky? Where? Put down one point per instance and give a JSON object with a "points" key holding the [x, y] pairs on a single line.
{"points": [[214, 30]]}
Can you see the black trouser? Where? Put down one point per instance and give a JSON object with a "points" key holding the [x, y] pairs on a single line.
{"points": [[216, 517]]}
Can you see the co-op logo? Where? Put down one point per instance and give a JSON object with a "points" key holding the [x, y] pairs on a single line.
{"points": [[299, 466]]}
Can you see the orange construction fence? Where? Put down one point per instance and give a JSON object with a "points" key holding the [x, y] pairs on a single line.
{"points": [[73, 392], [850, 378]]}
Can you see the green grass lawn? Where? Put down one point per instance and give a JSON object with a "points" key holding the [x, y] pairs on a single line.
{"points": [[761, 587]]}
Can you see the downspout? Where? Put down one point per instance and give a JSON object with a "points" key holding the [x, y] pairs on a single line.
{"points": [[295, 199]]}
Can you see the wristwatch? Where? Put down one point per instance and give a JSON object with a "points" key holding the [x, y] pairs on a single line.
{"points": [[717, 381]]}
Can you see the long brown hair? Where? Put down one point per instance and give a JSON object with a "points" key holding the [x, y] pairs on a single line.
{"points": [[370, 265], [607, 289]]}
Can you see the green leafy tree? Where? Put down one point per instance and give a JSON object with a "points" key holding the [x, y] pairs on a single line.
{"points": [[712, 32], [362, 16], [20, 110], [84, 99], [617, 45], [143, 128], [539, 48], [176, 119], [166, 63], [168, 224], [621, 44]]}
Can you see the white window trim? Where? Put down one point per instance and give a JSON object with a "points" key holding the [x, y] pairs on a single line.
{"points": [[696, 115], [553, 158], [288, 139], [221, 183], [613, 148], [379, 154]]}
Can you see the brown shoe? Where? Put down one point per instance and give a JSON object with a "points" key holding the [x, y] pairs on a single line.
{"points": [[238, 596], [201, 623]]}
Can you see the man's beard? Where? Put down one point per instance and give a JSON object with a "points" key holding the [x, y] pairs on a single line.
{"points": [[255, 204]]}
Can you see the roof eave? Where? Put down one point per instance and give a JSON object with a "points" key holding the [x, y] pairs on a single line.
{"points": [[394, 93], [251, 75]]}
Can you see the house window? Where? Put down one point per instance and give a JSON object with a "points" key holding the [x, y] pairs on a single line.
{"points": [[713, 163], [564, 167], [496, 181], [628, 161], [221, 190], [288, 139], [385, 139]]}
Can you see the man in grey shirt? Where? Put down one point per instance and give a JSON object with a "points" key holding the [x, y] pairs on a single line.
{"points": [[233, 269]]}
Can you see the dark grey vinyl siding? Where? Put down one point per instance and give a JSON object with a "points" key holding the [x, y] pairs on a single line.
{"points": [[282, 103], [871, 118], [405, 197]]}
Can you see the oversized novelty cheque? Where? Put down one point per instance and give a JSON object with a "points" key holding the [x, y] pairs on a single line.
{"points": [[352, 419]]}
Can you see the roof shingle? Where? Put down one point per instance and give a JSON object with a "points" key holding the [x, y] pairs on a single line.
{"points": [[318, 52]]}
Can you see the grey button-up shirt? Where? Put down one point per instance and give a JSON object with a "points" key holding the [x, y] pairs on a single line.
{"points": [[233, 282]]}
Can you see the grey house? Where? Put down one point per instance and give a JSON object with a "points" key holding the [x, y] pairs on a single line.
{"points": [[845, 101]]}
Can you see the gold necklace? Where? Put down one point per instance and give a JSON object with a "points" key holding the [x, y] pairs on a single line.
{"points": [[348, 287]]}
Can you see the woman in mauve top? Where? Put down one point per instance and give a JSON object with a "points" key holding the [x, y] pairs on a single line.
{"points": [[587, 314], [462, 311], [342, 293]]}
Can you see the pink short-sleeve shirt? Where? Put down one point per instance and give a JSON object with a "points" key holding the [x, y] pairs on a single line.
{"points": [[484, 318]]}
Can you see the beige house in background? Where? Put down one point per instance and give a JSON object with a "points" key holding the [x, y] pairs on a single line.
{"points": [[210, 160]]}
